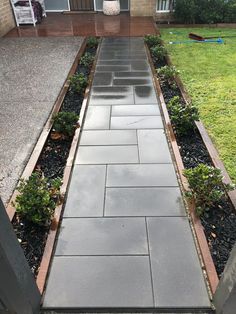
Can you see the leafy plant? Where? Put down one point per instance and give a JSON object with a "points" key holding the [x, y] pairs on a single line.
{"points": [[78, 82], [152, 40], [92, 42], [158, 53], [167, 72], [206, 186], [87, 59], [38, 198], [185, 11], [65, 122], [182, 116]]}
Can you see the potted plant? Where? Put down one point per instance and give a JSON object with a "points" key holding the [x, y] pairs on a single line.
{"points": [[111, 7]]}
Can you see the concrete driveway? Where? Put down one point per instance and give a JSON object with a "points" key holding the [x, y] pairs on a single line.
{"points": [[32, 72]]}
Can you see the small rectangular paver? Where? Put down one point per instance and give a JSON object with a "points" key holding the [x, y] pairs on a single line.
{"points": [[144, 202], [132, 74], [102, 79], [86, 192], [136, 122], [140, 66], [131, 110], [141, 175], [145, 95], [118, 99], [112, 90], [112, 68], [177, 276], [102, 236], [99, 282], [107, 155], [109, 137], [97, 117], [131, 81], [153, 147]]}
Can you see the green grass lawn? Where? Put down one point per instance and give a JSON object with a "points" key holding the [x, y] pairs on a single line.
{"points": [[209, 75]]}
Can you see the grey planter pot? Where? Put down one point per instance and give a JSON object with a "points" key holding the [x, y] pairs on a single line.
{"points": [[111, 7]]}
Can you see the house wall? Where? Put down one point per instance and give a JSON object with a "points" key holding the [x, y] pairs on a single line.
{"points": [[7, 21], [142, 7]]}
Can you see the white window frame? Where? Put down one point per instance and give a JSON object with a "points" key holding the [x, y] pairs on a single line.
{"points": [[161, 11]]}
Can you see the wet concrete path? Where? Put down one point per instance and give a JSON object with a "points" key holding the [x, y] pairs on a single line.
{"points": [[125, 241]]}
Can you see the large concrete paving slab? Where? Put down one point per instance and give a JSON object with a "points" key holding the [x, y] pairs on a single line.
{"points": [[99, 282], [32, 72]]}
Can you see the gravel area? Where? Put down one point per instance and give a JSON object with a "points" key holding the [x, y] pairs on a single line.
{"points": [[32, 72]]}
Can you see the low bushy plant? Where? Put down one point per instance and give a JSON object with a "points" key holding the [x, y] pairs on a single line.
{"points": [[158, 53], [152, 40], [182, 116], [92, 42], [206, 186], [87, 59], [37, 199], [78, 82], [167, 73], [65, 123]]}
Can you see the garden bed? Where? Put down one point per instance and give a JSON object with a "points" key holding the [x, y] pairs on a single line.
{"points": [[220, 220], [52, 158]]}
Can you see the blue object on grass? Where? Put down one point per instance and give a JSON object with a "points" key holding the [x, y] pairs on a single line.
{"points": [[217, 41]]}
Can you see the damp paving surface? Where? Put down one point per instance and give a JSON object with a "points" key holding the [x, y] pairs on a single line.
{"points": [[125, 241], [32, 73]]}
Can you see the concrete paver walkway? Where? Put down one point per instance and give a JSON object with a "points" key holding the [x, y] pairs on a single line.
{"points": [[125, 240]]}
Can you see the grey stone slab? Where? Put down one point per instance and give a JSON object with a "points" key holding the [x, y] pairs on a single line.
{"points": [[131, 81], [153, 147], [119, 99], [109, 137], [178, 264], [102, 79], [86, 192], [97, 117], [144, 202], [126, 55], [132, 74], [107, 155], [140, 65], [145, 94], [99, 282], [140, 110], [136, 122], [102, 236], [112, 68], [112, 90], [141, 175], [114, 62]]}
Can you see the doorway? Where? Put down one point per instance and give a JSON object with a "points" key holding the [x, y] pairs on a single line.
{"points": [[82, 5]]}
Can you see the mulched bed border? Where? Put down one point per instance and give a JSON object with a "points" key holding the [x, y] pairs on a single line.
{"points": [[48, 250], [198, 228]]}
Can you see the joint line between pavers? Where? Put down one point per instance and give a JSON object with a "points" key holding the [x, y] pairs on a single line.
{"points": [[104, 197], [139, 160], [150, 263]]}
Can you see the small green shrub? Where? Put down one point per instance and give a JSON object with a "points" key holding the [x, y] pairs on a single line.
{"points": [[206, 186], [78, 82], [158, 53], [37, 199], [167, 73], [65, 122], [92, 42], [182, 116], [87, 59], [152, 40]]}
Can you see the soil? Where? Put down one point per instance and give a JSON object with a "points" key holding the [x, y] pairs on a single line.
{"points": [[219, 222], [51, 163]]}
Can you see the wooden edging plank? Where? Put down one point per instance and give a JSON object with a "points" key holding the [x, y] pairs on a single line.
{"points": [[45, 132], [198, 228], [49, 247]]}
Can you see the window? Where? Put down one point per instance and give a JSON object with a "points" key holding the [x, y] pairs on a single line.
{"points": [[165, 5]]}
